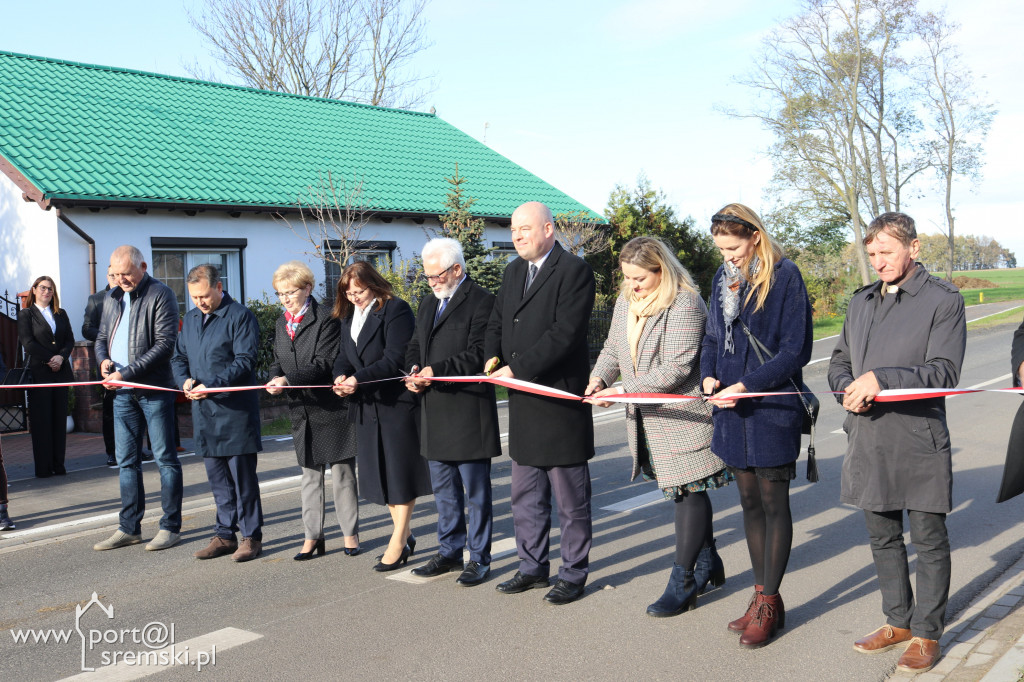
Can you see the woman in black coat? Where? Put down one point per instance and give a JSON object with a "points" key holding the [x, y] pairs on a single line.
{"points": [[45, 332], [375, 330], [305, 348]]}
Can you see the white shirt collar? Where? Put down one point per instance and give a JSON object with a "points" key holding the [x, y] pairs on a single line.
{"points": [[540, 261]]}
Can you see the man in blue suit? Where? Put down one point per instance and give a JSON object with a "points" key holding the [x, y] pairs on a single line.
{"points": [[216, 349]]}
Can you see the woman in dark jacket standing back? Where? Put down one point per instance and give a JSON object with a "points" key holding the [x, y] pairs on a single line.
{"points": [[305, 348], [45, 332], [758, 291], [375, 330]]}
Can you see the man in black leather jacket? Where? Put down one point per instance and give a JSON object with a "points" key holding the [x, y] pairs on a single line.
{"points": [[136, 338]]}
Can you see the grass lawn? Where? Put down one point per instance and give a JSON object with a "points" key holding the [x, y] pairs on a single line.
{"points": [[828, 326], [1010, 281], [282, 426]]}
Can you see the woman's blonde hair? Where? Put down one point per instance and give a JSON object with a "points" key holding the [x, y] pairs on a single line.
{"points": [[54, 302], [654, 255], [737, 220], [294, 272]]}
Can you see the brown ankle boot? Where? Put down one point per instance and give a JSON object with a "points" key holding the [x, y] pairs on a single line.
{"points": [[741, 623], [769, 617]]}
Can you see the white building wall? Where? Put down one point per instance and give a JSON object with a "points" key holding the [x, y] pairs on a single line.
{"points": [[269, 244], [30, 245]]}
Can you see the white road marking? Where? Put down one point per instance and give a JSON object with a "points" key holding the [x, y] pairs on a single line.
{"points": [[499, 549], [997, 380], [278, 440], [113, 516], [637, 502], [991, 314], [838, 431], [221, 640]]}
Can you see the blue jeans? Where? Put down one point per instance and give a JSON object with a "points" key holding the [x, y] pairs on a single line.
{"points": [[134, 411]]}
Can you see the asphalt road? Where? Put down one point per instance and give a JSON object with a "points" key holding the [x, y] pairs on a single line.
{"points": [[335, 618]]}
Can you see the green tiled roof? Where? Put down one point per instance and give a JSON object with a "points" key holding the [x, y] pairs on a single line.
{"points": [[92, 133]]}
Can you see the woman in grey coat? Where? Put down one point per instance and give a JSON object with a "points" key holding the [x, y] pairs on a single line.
{"points": [[305, 345], [654, 344]]}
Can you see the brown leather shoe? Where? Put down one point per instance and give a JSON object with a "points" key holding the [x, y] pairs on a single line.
{"points": [[920, 656], [248, 550], [769, 618], [882, 639], [741, 623], [218, 547]]}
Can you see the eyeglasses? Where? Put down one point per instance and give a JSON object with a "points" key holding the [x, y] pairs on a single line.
{"points": [[43, 287], [352, 295], [288, 294], [434, 278]]}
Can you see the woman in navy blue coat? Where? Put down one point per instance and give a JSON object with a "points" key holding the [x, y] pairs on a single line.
{"points": [[375, 330], [760, 291]]}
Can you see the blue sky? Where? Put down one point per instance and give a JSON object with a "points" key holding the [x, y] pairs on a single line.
{"points": [[588, 95]]}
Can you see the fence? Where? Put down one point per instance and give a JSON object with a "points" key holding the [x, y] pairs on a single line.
{"points": [[13, 408], [600, 323]]}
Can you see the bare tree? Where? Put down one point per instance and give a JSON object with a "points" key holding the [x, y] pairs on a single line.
{"points": [[360, 50], [960, 116], [834, 87], [332, 213], [580, 234]]}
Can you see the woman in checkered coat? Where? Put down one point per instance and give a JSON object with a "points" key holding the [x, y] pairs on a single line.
{"points": [[654, 345]]}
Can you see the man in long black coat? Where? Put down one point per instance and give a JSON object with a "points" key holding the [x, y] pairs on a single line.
{"points": [[458, 422], [538, 329], [217, 349]]}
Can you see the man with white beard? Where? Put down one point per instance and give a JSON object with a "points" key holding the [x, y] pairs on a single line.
{"points": [[458, 421]]}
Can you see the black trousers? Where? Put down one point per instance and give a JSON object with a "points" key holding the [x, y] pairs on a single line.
{"points": [[925, 616], [108, 421], [47, 415]]}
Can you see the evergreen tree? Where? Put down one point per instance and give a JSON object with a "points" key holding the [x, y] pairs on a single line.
{"points": [[643, 211], [484, 266]]}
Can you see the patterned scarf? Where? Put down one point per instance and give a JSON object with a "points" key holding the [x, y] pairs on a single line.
{"points": [[639, 310], [730, 292], [292, 322]]}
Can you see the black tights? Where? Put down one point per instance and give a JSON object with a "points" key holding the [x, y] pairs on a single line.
{"points": [[693, 527], [768, 525]]}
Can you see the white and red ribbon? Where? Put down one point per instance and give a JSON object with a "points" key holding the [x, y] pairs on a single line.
{"points": [[886, 396]]}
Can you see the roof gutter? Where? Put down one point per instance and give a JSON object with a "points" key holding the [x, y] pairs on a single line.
{"points": [[235, 210], [88, 240]]}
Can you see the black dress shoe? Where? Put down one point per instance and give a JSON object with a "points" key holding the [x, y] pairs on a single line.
{"points": [[439, 564], [521, 582], [564, 592], [474, 574]]}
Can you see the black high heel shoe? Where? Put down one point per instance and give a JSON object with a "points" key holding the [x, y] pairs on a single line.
{"points": [[352, 551], [319, 549], [411, 544], [382, 567]]}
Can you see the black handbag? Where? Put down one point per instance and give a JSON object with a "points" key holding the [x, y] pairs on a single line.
{"points": [[810, 402]]}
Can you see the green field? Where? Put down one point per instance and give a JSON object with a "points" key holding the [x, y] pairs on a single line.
{"points": [[1010, 286]]}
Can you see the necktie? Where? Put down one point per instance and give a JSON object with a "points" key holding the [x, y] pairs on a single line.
{"points": [[530, 275], [440, 309]]}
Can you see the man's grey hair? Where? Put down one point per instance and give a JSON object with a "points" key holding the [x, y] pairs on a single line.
{"points": [[205, 271], [447, 250], [133, 254]]}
